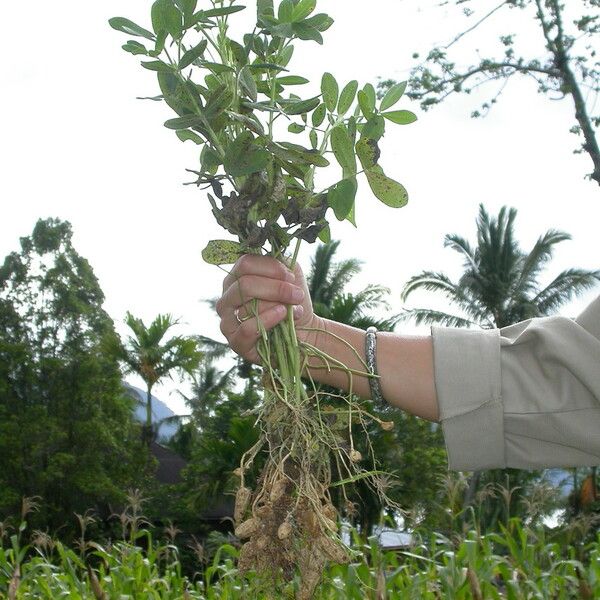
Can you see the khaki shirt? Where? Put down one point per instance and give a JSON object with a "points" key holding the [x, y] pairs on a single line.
{"points": [[526, 396]]}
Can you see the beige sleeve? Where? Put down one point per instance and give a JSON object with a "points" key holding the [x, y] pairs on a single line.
{"points": [[526, 396]]}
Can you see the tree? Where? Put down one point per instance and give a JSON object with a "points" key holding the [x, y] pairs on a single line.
{"points": [[564, 66], [148, 354], [499, 286], [66, 427]]}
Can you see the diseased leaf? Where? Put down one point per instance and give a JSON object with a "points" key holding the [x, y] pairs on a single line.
{"points": [[343, 150], [367, 152], [126, 26], [374, 128], [244, 157], [347, 97], [341, 197], [393, 95], [401, 117], [330, 91], [318, 115], [296, 128], [387, 190], [191, 55], [222, 252], [365, 107], [309, 156]]}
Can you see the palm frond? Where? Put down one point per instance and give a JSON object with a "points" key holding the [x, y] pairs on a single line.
{"points": [[429, 281], [565, 286], [428, 316]]}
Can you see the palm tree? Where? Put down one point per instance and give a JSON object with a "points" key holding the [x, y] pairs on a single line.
{"points": [[326, 282], [153, 356], [499, 286]]}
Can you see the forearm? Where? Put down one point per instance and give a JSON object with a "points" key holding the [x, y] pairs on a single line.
{"points": [[404, 365]]}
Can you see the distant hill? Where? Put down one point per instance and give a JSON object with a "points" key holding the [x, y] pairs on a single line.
{"points": [[159, 411]]}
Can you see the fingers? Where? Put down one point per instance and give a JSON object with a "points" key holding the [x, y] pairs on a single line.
{"points": [[249, 287], [246, 334], [262, 266]]}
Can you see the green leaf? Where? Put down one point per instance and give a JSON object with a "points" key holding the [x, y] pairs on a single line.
{"points": [[222, 252], [127, 26], [365, 106], [191, 55], [186, 134], [159, 46], [309, 156], [296, 128], [248, 84], [286, 11], [393, 95], [217, 67], [401, 117], [135, 48], [291, 80], [167, 17], [320, 22], [286, 55], [264, 8], [330, 91], [369, 90], [347, 97], [303, 9], [341, 197], [318, 115], [374, 128], [367, 152], [297, 107], [184, 122], [157, 65], [219, 12], [314, 139], [325, 235], [305, 32], [209, 159], [343, 150], [244, 157], [387, 190]]}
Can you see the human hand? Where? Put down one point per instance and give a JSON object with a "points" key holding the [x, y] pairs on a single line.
{"points": [[274, 287]]}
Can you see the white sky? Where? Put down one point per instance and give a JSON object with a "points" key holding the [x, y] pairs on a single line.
{"points": [[77, 145]]}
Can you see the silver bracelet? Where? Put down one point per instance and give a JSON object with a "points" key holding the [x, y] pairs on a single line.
{"points": [[371, 355]]}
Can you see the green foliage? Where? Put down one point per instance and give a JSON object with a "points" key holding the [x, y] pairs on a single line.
{"points": [[66, 429], [518, 562], [263, 188], [152, 356]]}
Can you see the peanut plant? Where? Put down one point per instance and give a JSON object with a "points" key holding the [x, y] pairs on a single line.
{"points": [[234, 99]]}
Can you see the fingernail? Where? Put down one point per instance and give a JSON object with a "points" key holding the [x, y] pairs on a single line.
{"points": [[297, 295], [298, 311], [289, 276], [281, 310]]}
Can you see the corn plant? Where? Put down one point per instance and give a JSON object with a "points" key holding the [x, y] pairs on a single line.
{"points": [[233, 99]]}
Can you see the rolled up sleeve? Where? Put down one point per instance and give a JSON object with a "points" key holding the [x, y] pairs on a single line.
{"points": [[526, 396]]}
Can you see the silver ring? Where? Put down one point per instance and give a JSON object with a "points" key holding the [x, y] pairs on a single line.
{"points": [[240, 320]]}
